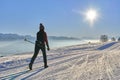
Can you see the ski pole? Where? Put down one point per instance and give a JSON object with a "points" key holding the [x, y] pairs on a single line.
{"points": [[29, 41]]}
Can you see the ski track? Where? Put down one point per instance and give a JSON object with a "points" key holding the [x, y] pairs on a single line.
{"points": [[80, 62]]}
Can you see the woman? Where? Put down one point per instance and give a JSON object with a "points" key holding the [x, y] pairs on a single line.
{"points": [[41, 41]]}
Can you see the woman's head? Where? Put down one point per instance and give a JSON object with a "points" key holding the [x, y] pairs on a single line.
{"points": [[41, 27]]}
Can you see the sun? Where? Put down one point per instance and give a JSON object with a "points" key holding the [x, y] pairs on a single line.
{"points": [[91, 15]]}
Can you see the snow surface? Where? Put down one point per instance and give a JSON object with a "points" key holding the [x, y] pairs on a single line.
{"points": [[94, 61]]}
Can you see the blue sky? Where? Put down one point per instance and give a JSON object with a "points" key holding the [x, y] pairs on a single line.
{"points": [[60, 17]]}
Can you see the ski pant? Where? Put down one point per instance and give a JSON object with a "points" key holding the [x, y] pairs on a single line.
{"points": [[36, 51]]}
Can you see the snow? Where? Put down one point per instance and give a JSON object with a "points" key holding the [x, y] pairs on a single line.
{"points": [[93, 61]]}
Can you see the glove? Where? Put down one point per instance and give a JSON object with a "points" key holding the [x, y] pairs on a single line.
{"points": [[48, 48]]}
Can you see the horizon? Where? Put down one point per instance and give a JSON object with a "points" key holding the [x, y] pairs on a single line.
{"points": [[61, 37], [61, 18]]}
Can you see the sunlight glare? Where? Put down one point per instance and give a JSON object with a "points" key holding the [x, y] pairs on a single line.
{"points": [[91, 15]]}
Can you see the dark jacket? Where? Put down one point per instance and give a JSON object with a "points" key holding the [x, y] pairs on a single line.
{"points": [[42, 36]]}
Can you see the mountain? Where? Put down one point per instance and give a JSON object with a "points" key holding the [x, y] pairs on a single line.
{"points": [[7, 37], [62, 38]]}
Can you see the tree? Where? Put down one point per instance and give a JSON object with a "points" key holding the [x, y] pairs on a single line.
{"points": [[119, 39], [103, 38], [113, 39]]}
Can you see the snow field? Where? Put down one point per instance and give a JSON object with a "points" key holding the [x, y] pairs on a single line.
{"points": [[80, 62]]}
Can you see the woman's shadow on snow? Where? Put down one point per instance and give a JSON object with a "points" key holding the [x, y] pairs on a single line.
{"points": [[14, 76]]}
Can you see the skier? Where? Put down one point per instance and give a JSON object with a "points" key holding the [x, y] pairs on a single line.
{"points": [[40, 45]]}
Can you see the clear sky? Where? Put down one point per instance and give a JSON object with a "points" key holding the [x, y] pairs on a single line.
{"points": [[60, 17]]}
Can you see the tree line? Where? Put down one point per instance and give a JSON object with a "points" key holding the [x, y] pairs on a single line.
{"points": [[104, 38]]}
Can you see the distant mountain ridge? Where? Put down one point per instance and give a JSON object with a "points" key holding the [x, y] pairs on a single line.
{"points": [[63, 38], [7, 37]]}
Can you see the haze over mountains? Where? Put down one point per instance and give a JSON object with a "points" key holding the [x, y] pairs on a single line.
{"points": [[7, 37]]}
